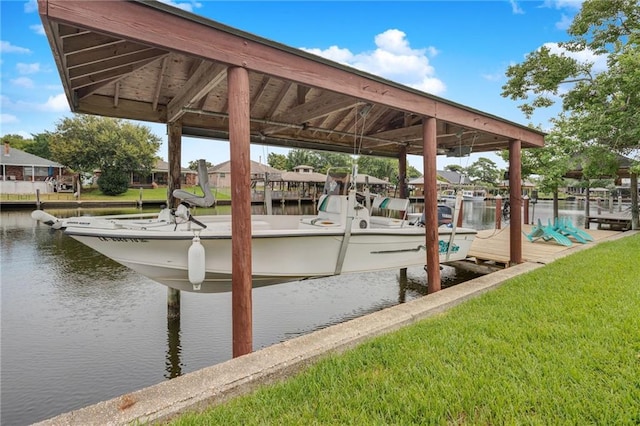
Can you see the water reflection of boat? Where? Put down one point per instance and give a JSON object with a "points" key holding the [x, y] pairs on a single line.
{"points": [[194, 253]]}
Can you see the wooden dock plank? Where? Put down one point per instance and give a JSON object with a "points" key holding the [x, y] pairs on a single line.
{"points": [[493, 245]]}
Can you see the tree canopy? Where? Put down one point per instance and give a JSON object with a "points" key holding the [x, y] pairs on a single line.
{"points": [[87, 142], [193, 165], [600, 95], [38, 144]]}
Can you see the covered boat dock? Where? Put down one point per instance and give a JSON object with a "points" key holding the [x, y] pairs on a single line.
{"points": [[152, 62]]}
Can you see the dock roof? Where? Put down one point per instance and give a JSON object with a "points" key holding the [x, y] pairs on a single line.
{"points": [[149, 61]]}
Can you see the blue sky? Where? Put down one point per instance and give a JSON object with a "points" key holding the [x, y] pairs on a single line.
{"points": [[458, 50]]}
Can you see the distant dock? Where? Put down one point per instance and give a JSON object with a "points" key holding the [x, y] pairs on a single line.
{"points": [[620, 221]]}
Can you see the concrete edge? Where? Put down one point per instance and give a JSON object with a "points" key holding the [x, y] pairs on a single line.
{"points": [[216, 384]]}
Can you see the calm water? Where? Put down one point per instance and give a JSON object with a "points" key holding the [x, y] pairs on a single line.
{"points": [[77, 328]]}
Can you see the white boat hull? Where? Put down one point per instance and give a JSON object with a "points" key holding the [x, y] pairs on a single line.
{"points": [[282, 250]]}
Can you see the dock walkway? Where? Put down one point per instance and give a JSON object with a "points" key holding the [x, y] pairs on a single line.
{"points": [[491, 245], [620, 221]]}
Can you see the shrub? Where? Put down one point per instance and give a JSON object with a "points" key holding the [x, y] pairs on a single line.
{"points": [[113, 182]]}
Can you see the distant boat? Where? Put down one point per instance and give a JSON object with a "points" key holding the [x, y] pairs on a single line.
{"points": [[448, 195], [467, 195], [474, 195]]}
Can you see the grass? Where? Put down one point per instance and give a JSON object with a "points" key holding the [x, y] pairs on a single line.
{"points": [[94, 194], [559, 345]]}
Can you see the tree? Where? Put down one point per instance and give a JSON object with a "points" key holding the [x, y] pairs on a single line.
{"points": [[113, 181], [87, 142], [193, 164], [16, 141], [320, 161], [484, 171], [603, 105], [606, 101], [277, 161], [455, 168], [384, 168], [37, 145]]}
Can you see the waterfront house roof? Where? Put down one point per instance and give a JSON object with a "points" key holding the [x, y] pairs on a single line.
{"points": [[624, 168], [256, 168], [16, 157], [163, 166], [451, 177]]}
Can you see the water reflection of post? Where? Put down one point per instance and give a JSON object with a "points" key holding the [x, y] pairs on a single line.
{"points": [[173, 366], [402, 281]]}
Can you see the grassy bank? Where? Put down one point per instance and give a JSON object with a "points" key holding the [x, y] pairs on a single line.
{"points": [[94, 194], [560, 345]]}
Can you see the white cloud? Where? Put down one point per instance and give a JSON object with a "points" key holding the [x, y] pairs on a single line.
{"points": [[564, 22], [24, 82], [38, 29], [57, 103], [31, 6], [8, 119], [28, 68], [563, 4], [493, 77], [185, 5], [393, 59], [334, 53], [7, 47], [515, 8]]}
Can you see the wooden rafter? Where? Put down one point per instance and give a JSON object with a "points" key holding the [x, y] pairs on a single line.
{"points": [[205, 78], [160, 80]]}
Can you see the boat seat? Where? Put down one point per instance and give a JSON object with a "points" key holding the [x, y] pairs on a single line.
{"points": [[206, 200], [389, 203]]}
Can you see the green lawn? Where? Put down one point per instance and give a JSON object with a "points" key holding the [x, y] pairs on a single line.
{"points": [[88, 194], [557, 346]]}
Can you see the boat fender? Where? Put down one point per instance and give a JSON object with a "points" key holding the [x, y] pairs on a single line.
{"points": [[196, 263], [44, 217]]}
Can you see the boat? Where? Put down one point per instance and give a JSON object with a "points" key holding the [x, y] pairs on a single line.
{"points": [[448, 195], [474, 195], [193, 253]]}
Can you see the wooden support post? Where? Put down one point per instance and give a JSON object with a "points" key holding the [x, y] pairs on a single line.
{"points": [[587, 207], [635, 212], [525, 209], [174, 131], [175, 151], [173, 365], [498, 211], [239, 141], [460, 213], [173, 303], [402, 171], [515, 200], [430, 145]]}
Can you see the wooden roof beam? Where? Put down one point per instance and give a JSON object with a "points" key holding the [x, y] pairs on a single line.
{"points": [[259, 92], [325, 104], [205, 78], [88, 85], [113, 63], [156, 94], [110, 51]]}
